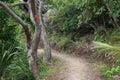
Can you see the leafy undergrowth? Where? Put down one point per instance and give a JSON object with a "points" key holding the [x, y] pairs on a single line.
{"points": [[102, 45], [111, 71], [50, 70], [19, 68], [111, 55]]}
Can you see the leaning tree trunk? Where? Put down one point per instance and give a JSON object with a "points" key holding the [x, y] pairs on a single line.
{"points": [[47, 48], [32, 53]]}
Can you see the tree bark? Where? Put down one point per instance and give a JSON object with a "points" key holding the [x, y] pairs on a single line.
{"points": [[32, 53], [47, 48]]}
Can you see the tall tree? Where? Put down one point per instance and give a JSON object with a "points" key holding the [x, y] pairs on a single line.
{"points": [[35, 12]]}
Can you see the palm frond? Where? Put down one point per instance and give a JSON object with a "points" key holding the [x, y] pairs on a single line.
{"points": [[104, 46], [5, 58]]}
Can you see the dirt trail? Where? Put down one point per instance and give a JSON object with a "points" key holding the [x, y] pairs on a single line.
{"points": [[76, 68]]}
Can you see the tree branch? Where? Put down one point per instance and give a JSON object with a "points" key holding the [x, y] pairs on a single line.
{"points": [[31, 12], [20, 21], [19, 4], [40, 11]]}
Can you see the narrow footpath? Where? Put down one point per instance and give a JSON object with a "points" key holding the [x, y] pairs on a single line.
{"points": [[76, 68]]}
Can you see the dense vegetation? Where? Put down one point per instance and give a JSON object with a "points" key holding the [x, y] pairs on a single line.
{"points": [[82, 26], [12, 53], [13, 58], [87, 26]]}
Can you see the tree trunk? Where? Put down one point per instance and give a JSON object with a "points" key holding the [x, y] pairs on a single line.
{"points": [[47, 49], [31, 48], [32, 52]]}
